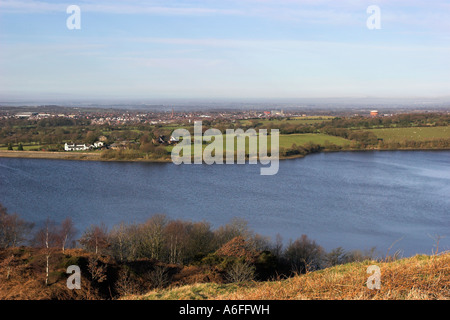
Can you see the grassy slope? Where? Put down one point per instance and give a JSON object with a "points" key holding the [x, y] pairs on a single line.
{"points": [[415, 133], [287, 140], [419, 277]]}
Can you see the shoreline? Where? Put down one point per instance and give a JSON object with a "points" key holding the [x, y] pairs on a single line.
{"points": [[86, 156]]}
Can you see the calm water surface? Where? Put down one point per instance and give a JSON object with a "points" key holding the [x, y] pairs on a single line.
{"points": [[356, 200]]}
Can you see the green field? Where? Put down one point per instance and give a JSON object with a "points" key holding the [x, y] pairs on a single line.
{"points": [[25, 147], [414, 133], [286, 141]]}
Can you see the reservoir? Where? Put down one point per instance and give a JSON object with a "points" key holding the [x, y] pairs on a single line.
{"points": [[355, 200]]}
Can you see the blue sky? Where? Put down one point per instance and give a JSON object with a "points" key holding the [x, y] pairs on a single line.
{"points": [[235, 49]]}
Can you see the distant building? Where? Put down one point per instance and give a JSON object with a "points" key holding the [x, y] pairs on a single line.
{"points": [[75, 147], [374, 113], [277, 112], [98, 144], [121, 145], [25, 114]]}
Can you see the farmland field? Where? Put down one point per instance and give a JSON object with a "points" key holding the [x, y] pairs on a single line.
{"points": [[26, 147], [286, 141], [414, 133]]}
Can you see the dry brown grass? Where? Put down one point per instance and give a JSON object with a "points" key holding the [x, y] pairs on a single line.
{"points": [[416, 278], [23, 277], [419, 277]]}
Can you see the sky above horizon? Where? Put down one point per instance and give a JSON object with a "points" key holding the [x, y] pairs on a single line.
{"points": [[216, 49]]}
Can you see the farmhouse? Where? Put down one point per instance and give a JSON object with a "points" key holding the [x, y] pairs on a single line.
{"points": [[75, 147]]}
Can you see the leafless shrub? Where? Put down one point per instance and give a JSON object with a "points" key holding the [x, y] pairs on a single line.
{"points": [[126, 284], [437, 238], [159, 277], [241, 272], [96, 269], [396, 254]]}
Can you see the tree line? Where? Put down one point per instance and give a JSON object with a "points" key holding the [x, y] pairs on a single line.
{"points": [[233, 248], [399, 120]]}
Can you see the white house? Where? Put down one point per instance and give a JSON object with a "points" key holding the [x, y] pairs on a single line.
{"points": [[98, 144], [75, 147]]}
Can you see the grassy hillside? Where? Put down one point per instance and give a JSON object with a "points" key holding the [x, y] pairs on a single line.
{"points": [[22, 276], [414, 133], [418, 277], [286, 141]]}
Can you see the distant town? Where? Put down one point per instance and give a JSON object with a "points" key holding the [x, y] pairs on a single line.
{"points": [[146, 135], [100, 116]]}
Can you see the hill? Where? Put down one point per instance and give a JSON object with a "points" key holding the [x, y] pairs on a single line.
{"points": [[418, 277], [22, 277]]}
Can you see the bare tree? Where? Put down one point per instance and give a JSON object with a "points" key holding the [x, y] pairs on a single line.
{"points": [[200, 239], [121, 241], [304, 255], [152, 237], [176, 235], [95, 238], [66, 233], [278, 247], [46, 238], [237, 227], [13, 230]]}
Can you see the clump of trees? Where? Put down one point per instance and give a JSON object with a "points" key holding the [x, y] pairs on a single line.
{"points": [[13, 229], [399, 120], [146, 255], [233, 248], [412, 144]]}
